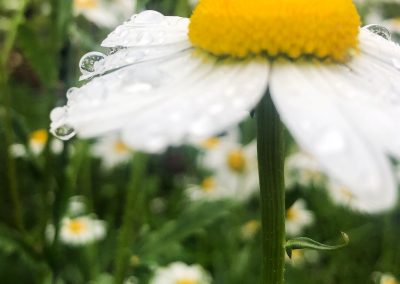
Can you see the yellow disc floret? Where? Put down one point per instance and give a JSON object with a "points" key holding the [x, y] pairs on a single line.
{"points": [[291, 28]]}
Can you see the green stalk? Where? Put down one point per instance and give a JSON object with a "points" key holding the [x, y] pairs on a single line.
{"points": [[11, 167], [270, 147], [127, 231]]}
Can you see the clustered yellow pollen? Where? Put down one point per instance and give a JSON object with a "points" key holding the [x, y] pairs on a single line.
{"points": [[85, 4], [210, 143], [186, 281], [325, 29], [120, 147], [39, 136], [76, 226], [292, 214], [236, 160], [208, 184]]}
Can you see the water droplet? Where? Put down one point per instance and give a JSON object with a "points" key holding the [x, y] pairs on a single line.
{"points": [[149, 17], [396, 63], [64, 132], [70, 92], [379, 30], [88, 61], [57, 113]]}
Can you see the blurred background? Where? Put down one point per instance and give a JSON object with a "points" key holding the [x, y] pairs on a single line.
{"points": [[98, 212]]}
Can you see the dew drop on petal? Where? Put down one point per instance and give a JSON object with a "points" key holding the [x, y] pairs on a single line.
{"points": [[379, 30], [89, 60], [64, 132], [149, 17], [70, 92]]}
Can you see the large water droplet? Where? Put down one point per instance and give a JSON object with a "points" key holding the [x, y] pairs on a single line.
{"points": [[149, 17], [379, 30], [70, 92], [64, 132], [89, 60]]}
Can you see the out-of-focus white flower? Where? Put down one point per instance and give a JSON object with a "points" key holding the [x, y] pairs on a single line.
{"points": [[105, 13], [298, 217], [112, 151], [38, 140], [181, 273], [76, 205], [234, 165], [250, 229], [56, 146], [388, 279], [343, 195], [174, 80], [81, 230], [18, 150], [302, 257], [234, 168], [304, 170]]}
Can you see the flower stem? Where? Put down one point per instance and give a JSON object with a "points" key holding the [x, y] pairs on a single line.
{"points": [[270, 148], [126, 234], [8, 132]]}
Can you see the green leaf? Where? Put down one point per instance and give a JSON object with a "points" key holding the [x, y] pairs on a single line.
{"points": [[307, 243], [36, 51], [194, 218]]}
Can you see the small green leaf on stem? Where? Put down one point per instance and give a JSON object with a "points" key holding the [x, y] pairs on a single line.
{"points": [[307, 243]]}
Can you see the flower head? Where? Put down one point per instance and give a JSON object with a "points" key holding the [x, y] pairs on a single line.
{"points": [[298, 217], [81, 230], [334, 85], [181, 273], [112, 151]]}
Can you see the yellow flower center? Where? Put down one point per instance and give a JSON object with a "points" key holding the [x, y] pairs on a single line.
{"points": [[208, 184], [76, 226], [85, 4], [292, 214], [346, 193], [250, 228], [236, 161], [389, 280], [290, 28], [186, 281], [121, 147], [210, 143], [39, 136]]}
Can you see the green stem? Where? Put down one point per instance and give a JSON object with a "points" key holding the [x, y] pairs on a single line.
{"points": [[127, 231], [11, 167], [270, 149]]}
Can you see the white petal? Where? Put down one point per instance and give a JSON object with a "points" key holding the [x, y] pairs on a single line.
{"points": [[167, 102], [309, 108]]}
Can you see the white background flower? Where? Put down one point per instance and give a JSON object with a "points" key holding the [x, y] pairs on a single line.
{"points": [[179, 272], [298, 217]]}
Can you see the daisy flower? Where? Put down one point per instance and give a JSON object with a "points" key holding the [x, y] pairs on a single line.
{"points": [[81, 230], [388, 279], [302, 257], [298, 217], [112, 151], [234, 168], [250, 229], [104, 13], [172, 80], [181, 273], [38, 140]]}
